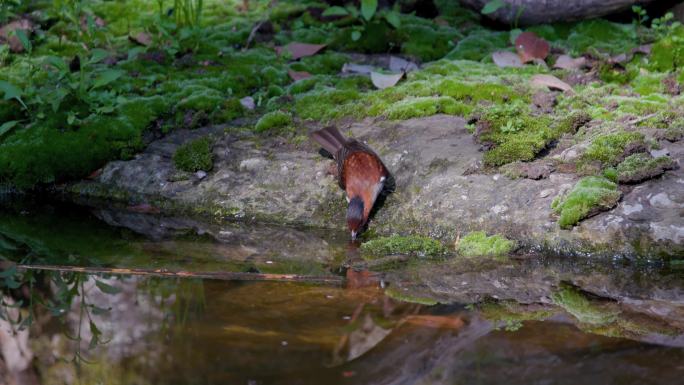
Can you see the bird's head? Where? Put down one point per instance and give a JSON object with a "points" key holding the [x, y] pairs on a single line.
{"points": [[355, 216]]}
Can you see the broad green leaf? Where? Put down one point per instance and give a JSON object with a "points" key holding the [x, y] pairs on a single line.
{"points": [[492, 7], [5, 128], [393, 19], [57, 62], [106, 77], [107, 288], [97, 55], [24, 39], [355, 35], [368, 8], [335, 11], [10, 90]]}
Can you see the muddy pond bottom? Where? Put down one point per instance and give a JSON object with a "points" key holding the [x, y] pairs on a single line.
{"points": [[135, 330]]}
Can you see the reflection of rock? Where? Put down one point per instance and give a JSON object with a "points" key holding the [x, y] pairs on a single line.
{"points": [[431, 159]]}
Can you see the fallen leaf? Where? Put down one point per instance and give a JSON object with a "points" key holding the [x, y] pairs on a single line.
{"points": [[142, 38], [551, 82], [566, 62], [298, 75], [505, 59], [530, 47], [352, 68], [300, 50], [383, 81], [11, 38], [397, 64], [248, 102]]}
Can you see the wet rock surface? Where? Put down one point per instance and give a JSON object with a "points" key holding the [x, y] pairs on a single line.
{"points": [[441, 189]]}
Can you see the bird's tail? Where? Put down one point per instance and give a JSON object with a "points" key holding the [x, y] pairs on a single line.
{"points": [[330, 138]]}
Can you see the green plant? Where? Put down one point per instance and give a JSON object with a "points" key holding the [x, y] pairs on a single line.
{"points": [[365, 14]]}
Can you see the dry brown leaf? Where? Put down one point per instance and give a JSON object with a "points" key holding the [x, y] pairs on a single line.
{"points": [[530, 47], [298, 75], [568, 63], [383, 81], [300, 50], [13, 40], [551, 82], [505, 59], [142, 38]]}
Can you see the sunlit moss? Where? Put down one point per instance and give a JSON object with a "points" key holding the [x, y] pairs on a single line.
{"points": [[478, 244], [273, 120], [589, 196]]}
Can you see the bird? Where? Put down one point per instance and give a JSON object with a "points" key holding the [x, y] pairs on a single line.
{"points": [[360, 172]]}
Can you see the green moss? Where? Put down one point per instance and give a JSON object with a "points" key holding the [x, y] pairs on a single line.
{"points": [[478, 244], [609, 148], [638, 167], [589, 196], [399, 295], [427, 42], [327, 104], [577, 304], [194, 156], [425, 106], [396, 244], [479, 45], [601, 35], [273, 121], [667, 54]]}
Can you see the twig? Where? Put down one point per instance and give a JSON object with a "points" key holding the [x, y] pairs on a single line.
{"points": [[641, 119], [252, 34], [219, 275]]}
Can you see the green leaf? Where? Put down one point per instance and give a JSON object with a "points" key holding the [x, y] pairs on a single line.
{"points": [[353, 11], [97, 55], [11, 92], [335, 11], [106, 77], [368, 8], [492, 7], [5, 128], [393, 19], [355, 35], [107, 288], [99, 311], [57, 62], [23, 38]]}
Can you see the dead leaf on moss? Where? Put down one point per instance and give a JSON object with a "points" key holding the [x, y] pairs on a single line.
{"points": [[300, 50], [551, 82], [505, 59], [383, 81], [530, 47], [397, 64], [298, 75], [566, 62]]}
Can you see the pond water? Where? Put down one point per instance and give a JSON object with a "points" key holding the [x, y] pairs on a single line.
{"points": [[66, 327]]}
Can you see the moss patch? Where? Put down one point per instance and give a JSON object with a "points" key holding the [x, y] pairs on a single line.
{"points": [[397, 244], [590, 195], [194, 156], [639, 167], [477, 244], [275, 120], [609, 149]]}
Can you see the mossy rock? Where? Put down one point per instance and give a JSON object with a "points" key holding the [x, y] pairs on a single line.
{"points": [[477, 244], [397, 244], [194, 156], [639, 167], [590, 196], [609, 149], [667, 54], [275, 120]]}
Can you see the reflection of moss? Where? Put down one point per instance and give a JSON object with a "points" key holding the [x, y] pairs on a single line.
{"points": [[586, 311], [590, 195], [194, 156], [396, 244], [478, 243], [401, 295]]}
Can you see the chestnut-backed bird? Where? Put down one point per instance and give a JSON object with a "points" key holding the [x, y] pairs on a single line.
{"points": [[360, 173]]}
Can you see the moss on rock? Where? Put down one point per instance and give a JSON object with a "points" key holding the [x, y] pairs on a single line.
{"points": [[639, 167], [478, 244], [610, 148], [397, 244], [273, 120], [590, 195], [194, 156]]}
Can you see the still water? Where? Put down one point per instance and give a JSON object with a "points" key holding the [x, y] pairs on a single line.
{"points": [[65, 327]]}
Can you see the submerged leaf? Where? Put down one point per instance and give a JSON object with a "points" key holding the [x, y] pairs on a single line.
{"points": [[383, 81]]}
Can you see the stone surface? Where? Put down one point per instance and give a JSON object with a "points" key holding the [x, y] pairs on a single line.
{"points": [[438, 191]]}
